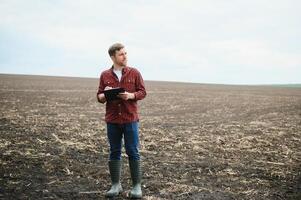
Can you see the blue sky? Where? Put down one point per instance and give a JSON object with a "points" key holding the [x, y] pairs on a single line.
{"points": [[205, 41]]}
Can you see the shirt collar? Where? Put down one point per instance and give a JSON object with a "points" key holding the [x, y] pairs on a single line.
{"points": [[124, 70]]}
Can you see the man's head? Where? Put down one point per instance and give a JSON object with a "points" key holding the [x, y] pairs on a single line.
{"points": [[118, 54]]}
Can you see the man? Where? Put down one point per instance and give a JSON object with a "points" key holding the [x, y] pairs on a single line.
{"points": [[122, 118]]}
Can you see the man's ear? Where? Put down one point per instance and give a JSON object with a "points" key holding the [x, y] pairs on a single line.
{"points": [[112, 58]]}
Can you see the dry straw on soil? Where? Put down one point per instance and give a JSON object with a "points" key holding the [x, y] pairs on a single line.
{"points": [[219, 142]]}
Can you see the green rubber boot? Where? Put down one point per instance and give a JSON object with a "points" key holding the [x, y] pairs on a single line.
{"points": [[115, 172], [136, 192]]}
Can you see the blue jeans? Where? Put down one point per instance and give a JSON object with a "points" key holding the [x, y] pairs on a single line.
{"points": [[131, 140]]}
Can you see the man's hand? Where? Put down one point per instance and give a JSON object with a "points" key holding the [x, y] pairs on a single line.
{"points": [[101, 97], [108, 88], [126, 96]]}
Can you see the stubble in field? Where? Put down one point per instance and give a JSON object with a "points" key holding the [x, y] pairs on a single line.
{"points": [[217, 142]]}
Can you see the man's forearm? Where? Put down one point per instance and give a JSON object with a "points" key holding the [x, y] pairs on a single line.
{"points": [[140, 95]]}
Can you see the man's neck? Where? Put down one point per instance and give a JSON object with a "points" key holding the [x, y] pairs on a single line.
{"points": [[118, 67]]}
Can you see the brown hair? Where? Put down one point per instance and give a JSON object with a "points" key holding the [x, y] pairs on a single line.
{"points": [[115, 47]]}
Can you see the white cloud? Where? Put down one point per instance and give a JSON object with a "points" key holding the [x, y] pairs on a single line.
{"points": [[178, 38], [254, 54]]}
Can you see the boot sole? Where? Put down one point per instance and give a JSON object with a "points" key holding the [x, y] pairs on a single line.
{"points": [[135, 197], [115, 195]]}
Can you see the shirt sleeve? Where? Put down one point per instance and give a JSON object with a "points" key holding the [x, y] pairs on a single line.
{"points": [[101, 87], [140, 87]]}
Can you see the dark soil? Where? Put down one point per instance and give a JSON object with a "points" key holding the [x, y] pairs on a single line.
{"points": [[198, 141]]}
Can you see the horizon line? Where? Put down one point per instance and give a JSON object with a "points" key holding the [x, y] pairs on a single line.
{"points": [[171, 81]]}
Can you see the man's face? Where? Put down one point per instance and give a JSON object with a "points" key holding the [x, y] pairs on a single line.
{"points": [[120, 57]]}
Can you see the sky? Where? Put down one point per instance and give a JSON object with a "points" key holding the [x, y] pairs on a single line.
{"points": [[202, 41]]}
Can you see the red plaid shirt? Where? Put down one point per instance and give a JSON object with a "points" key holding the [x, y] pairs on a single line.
{"points": [[121, 111]]}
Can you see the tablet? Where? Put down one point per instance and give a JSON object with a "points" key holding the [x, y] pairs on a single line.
{"points": [[111, 94]]}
